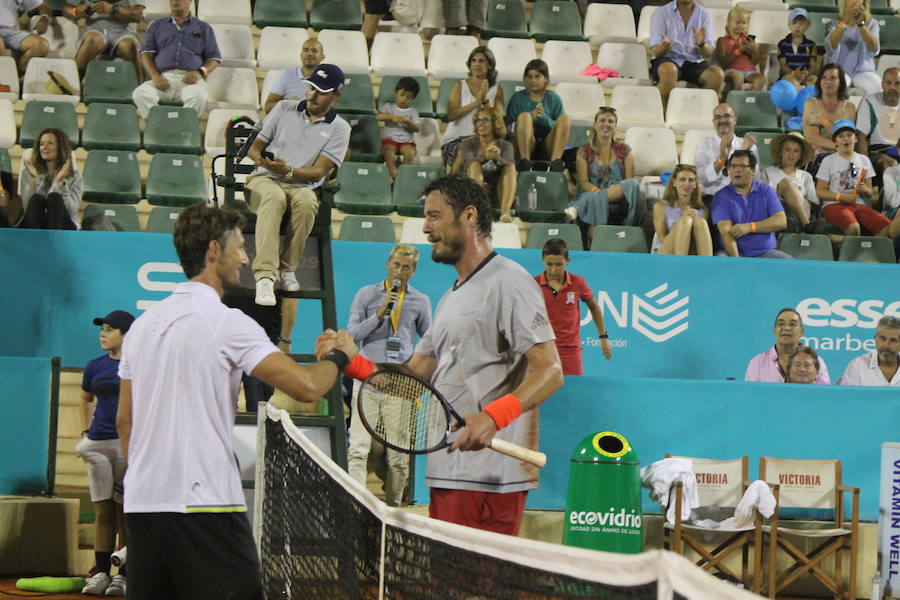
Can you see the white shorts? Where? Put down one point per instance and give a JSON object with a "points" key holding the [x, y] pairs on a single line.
{"points": [[744, 73], [105, 467]]}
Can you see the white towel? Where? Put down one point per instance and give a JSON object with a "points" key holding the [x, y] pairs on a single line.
{"points": [[660, 478], [757, 498]]}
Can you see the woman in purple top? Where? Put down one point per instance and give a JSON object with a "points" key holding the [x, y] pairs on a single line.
{"points": [[680, 219]]}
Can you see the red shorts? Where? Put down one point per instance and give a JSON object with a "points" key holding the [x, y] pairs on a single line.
{"points": [[570, 357], [501, 513], [398, 146], [843, 215]]}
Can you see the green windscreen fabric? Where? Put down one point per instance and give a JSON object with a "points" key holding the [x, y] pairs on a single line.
{"points": [[25, 408]]}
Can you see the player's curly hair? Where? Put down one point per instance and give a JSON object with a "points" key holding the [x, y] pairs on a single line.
{"points": [[196, 227], [459, 192]]}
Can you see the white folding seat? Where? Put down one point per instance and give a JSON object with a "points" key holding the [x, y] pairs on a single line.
{"points": [[411, 232], [653, 149], [347, 49], [268, 83], [609, 23], [156, 9], [512, 55], [637, 106], [237, 12], [643, 30], [447, 55], [232, 87], [719, 18], [690, 141], [63, 36], [428, 143], [7, 124], [690, 108], [505, 235], [630, 60], [581, 100], [768, 26], [9, 75], [280, 47], [235, 44], [397, 54], [36, 78], [217, 123], [567, 60]]}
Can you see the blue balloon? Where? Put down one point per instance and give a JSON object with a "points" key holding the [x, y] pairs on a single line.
{"points": [[664, 177], [804, 95], [783, 94], [794, 124]]}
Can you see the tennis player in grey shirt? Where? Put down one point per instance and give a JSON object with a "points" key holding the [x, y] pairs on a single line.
{"points": [[490, 352]]}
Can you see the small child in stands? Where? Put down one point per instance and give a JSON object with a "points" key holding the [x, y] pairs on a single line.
{"points": [[738, 54], [796, 52], [562, 291], [401, 120]]}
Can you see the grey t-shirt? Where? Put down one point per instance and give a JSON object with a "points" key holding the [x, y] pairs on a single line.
{"points": [[394, 131], [98, 22], [479, 335]]}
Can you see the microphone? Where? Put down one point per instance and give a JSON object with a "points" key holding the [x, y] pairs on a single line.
{"points": [[395, 287]]}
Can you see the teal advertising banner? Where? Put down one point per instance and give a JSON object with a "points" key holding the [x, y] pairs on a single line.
{"points": [[25, 409]]}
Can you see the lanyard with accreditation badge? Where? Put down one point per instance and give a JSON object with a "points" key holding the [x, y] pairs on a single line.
{"points": [[392, 347]]}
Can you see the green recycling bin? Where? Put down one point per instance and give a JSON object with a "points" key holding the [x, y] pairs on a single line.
{"points": [[603, 507]]}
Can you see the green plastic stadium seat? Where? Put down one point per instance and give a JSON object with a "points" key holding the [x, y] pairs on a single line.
{"points": [[807, 246], [356, 228], [176, 180], [763, 138], [619, 238], [365, 139], [365, 189], [553, 196], [358, 96], [578, 136], [112, 177], [880, 7], [335, 14], [279, 13], [555, 20], [443, 97], [5, 161], [754, 111], [505, 18], [859, 248], [541, 232], [818, 19], [422, 103], [814, 5], [889, 34], [123, 216], [111, 127], [109, 81], [173, 129], [409, 183], [40, 115], [509, 88], [162, 219]]}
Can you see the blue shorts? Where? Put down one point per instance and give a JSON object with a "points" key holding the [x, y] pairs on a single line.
{"points": [[13, 38]]}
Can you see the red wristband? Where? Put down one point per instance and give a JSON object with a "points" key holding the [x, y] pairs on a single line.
{"points": [[504, 410], [360, 368]]}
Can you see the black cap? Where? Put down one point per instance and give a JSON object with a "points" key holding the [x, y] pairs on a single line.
{"points": [[326, 78], [117, 319]]}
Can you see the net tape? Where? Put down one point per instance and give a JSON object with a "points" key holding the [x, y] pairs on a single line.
{"points": [[324, 536]]}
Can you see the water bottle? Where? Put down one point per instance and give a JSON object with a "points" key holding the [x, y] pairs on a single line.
{"points": [[532, 197], [876, 586]]}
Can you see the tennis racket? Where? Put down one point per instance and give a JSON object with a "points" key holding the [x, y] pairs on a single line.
{"points": [[407, 414]]}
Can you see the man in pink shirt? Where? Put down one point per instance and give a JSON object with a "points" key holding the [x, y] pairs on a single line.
{"points": [[772, 365]]}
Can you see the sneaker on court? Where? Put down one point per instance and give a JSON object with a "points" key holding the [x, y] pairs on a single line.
{"points": [[97, 585], [116, 586], [289, 282], [265, 292]]}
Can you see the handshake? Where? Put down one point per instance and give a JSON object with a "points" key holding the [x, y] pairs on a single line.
{"points": [[336, 340]]}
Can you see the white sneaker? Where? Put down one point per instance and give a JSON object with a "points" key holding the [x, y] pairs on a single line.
{"points": [[97, 585], [571, 213], [117, 586], [289, 282], [265, 292]]}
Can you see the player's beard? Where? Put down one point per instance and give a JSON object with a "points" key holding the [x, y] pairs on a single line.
{"points": [[450, 252]]}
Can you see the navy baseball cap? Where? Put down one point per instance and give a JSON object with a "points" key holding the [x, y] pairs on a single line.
{"points": [[327, 78], [117, 319]]}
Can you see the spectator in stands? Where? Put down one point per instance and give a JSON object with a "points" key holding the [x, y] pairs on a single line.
{"points": [[406, 13], [562, 290], [680, 219], [6, 184], [822, 111], [101, 450], [851, 40], [795, 187], [465, 17], [478, 89], [845, 186], [737, 52], [401, 120], [24, 43], [178, 54], [110, 30], [747, 212], [537, 119], [878, 366], [711, 155], [291, 83], [681, 42], [773, 365], [488, 158], [878, 128], [803, 366], [890, 192], [50, 185], [604, 170], [796, 52], [385, 319], [298, 146]]}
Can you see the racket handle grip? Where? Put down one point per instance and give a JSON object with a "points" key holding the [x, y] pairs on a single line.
{"points": [[538, 459]]}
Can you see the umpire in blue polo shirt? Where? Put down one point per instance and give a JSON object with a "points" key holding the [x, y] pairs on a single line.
{"points": [[299, 144]]}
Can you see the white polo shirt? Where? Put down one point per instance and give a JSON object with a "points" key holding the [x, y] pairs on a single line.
{"points": [[184, 357], [864, 370]]}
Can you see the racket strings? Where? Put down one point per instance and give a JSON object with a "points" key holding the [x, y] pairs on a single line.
{"points": [[403, 412]]}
